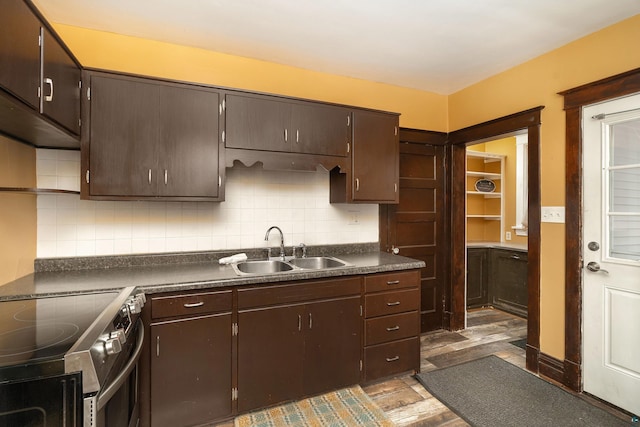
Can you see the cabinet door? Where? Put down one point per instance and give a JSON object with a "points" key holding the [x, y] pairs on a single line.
{"points": [[332, 344], [20, 51], [375, 157], [321, 129], [270, 356], [123, 137], [60, 84], [477, 273], [188, 161], [256, 123], [509, 288], [191, 370]]}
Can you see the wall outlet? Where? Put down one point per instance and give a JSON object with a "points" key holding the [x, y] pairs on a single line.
{"points": [[354, 217], [507, 235], [552, 214]]}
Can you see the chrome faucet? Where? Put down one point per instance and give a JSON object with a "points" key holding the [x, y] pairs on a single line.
{"points": [[266, 237]]}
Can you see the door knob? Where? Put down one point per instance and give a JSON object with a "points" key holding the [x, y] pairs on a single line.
{"points": [[595, 267]]}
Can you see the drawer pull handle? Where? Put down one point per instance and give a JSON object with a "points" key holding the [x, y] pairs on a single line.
{"points": [[393, 328], [393, 282], [194, 304], [300, 322], [393, 359], [391, 304]]}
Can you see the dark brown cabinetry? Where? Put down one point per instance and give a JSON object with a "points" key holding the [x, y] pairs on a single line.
{"points": [[255, 122], [477, 276], [307, 336], [392, 324], [39, 81], [60, 90], [508, 284], [191, 358], [374, 166], [497, 277], [150, 139]]}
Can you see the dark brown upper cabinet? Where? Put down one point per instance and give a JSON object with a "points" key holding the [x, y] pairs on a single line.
{"points": [[60, 87], [374, 176], [39, 81], [150, 139], [266, 123]]}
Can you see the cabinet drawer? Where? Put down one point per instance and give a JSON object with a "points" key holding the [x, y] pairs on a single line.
{"points": [[390, 328], [263, 296], [391, 358], [190, 304], [392, 281], [391, 302]]}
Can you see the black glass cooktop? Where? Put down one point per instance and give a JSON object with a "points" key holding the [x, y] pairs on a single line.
{"points": [[36, 333]]}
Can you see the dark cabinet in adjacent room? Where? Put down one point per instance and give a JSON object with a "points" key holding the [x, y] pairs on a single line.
{"points": [[508, 283], [477, 277]]}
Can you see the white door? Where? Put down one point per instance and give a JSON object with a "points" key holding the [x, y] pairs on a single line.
{"points": [[611, 252]]}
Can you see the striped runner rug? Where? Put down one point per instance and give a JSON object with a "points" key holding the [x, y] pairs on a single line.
{"points": [[343, 408]]}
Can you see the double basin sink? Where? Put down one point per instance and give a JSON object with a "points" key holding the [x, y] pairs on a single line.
{"points": [[259, 267]]}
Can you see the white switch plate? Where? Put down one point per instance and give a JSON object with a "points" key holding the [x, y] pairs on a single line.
{"points": [[553, 214]]}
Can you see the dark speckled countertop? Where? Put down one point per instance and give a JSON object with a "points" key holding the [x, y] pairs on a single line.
{"points": [[170, 277]]}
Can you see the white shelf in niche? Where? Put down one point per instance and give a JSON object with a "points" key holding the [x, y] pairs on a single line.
{"points": [[485, 194]]}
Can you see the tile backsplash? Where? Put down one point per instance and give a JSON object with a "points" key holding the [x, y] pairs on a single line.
{"points": [[297, 202]]}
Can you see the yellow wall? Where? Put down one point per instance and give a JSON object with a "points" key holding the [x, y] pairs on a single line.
{"points": [[607, 52], [17, 210], [419, 109]]}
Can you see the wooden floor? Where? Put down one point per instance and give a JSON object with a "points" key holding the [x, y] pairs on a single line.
{"points": [[488, 332]]}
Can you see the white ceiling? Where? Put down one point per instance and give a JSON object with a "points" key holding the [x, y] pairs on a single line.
{"points": [[439, 46]]}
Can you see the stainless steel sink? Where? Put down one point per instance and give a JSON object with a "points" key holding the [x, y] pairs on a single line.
{"points": [[317, 263], [271, 266], [262, 267]]}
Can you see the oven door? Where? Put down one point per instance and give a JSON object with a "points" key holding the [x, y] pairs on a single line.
{"points": [[43, 401], [117, 403]]}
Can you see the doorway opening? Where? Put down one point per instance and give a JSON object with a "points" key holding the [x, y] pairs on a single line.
{"points": [[524, 122], [497, 224]]}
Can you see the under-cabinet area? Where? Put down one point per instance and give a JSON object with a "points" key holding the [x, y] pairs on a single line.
{"points": [[227, 351], [497, 277]]}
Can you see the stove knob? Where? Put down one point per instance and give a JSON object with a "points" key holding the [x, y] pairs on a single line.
{"points": [[134, 306], [119, 335], [112, 346]]}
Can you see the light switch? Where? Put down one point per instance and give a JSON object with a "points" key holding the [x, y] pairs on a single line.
{"points": [[552, 214]]}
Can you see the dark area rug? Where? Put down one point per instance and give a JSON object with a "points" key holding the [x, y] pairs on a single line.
{"points": [[520, 343], [493, 393]]}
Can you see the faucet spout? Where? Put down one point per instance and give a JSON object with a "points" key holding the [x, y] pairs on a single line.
{"points": [[266, 237]]}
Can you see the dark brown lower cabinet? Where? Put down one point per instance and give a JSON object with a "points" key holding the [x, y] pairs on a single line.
{"points": [[477, 276], [190, 359], [508, 283], [301, 348]]}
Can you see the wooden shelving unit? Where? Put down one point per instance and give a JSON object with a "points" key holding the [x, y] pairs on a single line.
{"points": [[484, 205]]}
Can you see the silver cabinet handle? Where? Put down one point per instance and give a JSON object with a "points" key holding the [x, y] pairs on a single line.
{"points": [[299, 322], [286, 135], [393, 359], [310, 321], [297, 135], [357, 184], [193, 304], [158, 345], [166, 175], [393, 328], [393, 282], [515, 256], [348, 120], [595, 267], [149, 176], [391, 304], [49, 82]]}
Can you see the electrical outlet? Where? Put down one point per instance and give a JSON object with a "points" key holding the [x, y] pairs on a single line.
{"points": [[508, 235], [552, 214], [354, 218]]}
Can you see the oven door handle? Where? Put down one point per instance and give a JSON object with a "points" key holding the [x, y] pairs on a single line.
{"points": [[112, 388]]}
